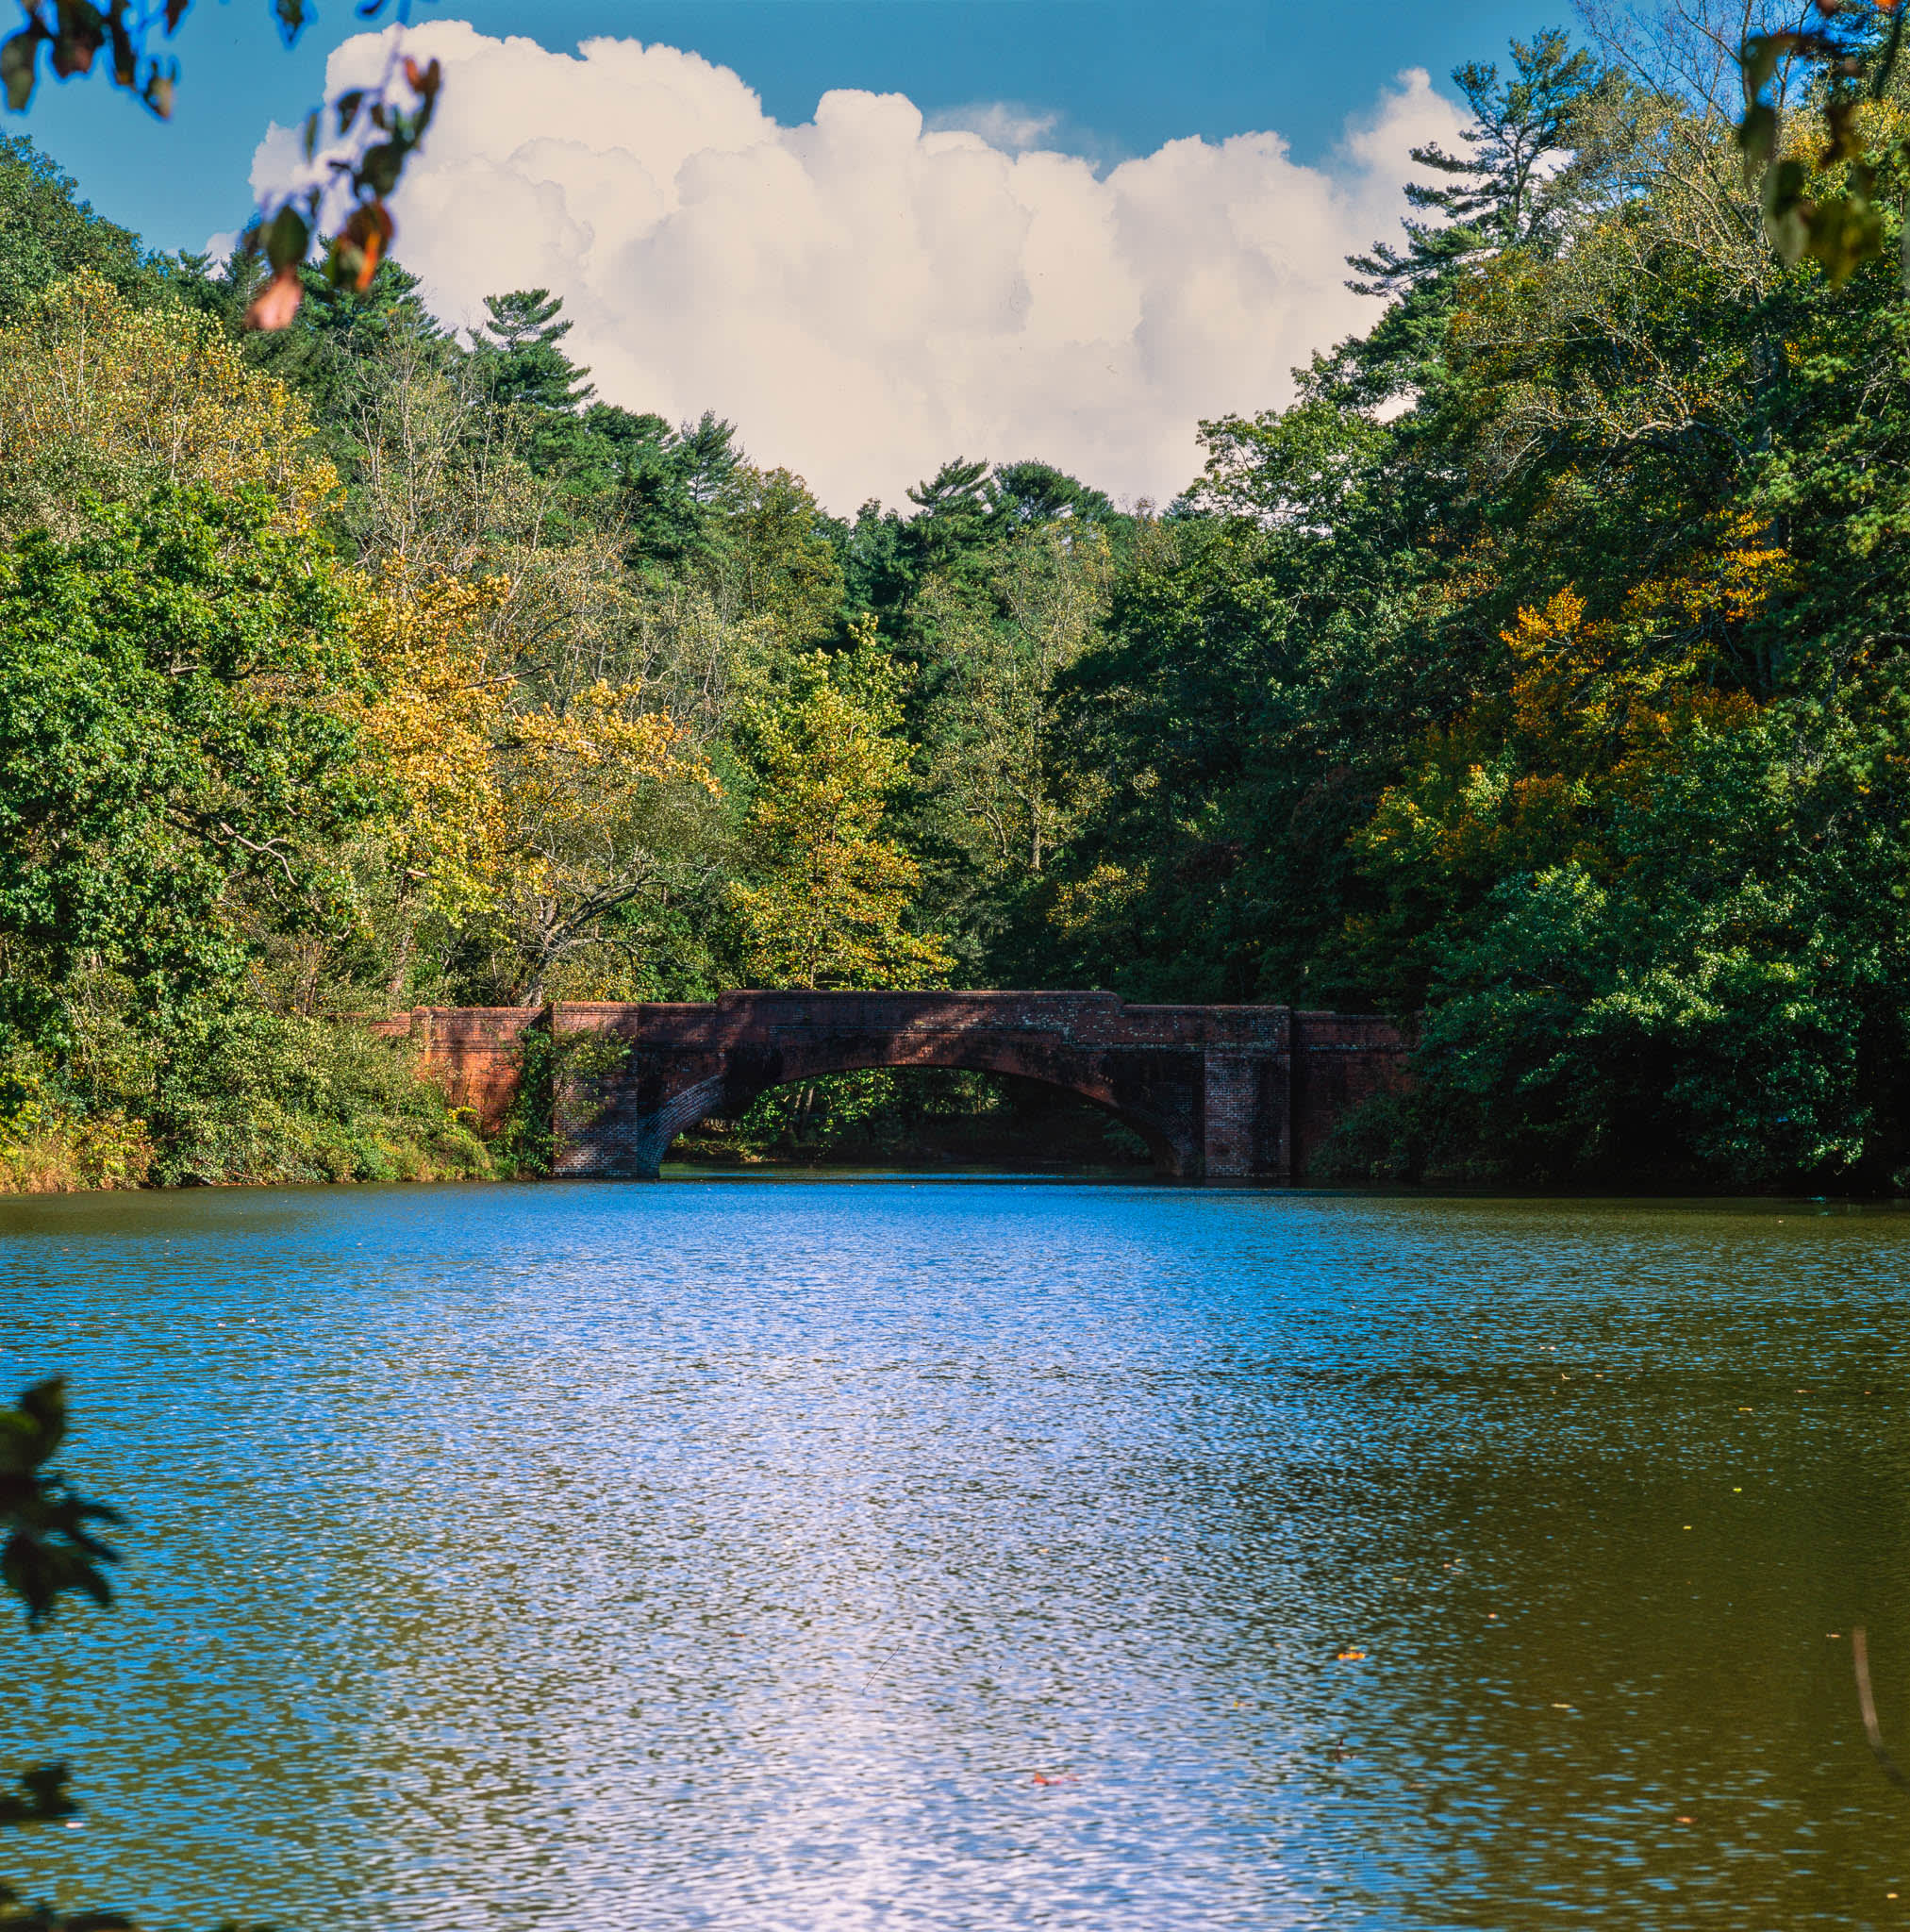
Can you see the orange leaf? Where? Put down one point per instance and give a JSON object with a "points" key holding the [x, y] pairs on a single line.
{"points": [[276, 303]]}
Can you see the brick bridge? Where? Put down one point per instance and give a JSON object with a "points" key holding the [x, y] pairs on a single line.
{"points": [[1224, 1091]]}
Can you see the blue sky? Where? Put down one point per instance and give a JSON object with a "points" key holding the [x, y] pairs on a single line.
{"points": [[873, 233], [1121, 77]]}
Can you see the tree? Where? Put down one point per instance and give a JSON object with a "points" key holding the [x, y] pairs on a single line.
{"points": [[827, 898], [434, 713], [101, 398], [48, 233], [775, 560], [519, 343], [338, 333], [542, 825], [1825, 205], [1029, 494], [589, 801], [993, 666], [1501, 194], [172, 749]]}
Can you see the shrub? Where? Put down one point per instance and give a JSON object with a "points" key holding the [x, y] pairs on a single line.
{"points": [[259, 1099]]}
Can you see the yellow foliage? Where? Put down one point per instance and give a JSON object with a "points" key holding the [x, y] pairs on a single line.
{"points": [[1729, 582], [67, 1154], [1586, 693], [436, 721], [98, 394], [1597, 710], [532, 818], [1108, 893], [831, 894], [576, 792]]}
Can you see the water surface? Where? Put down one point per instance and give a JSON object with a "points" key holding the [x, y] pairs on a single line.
{"points": [[794, 1555]]}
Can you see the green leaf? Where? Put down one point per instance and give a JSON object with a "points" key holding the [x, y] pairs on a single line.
{"points": [[1757, 140], [1842, 234], [1786, 213], [380, 169], [288, 236], [19, 60]]}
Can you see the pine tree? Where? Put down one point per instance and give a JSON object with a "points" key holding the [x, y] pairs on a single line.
{"points": [[1495, 196], [521, 343]]}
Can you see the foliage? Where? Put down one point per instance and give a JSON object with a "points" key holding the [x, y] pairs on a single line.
{"points": [[347, 182], [1825, 205], [1506, 192], [49, 234], [50, 1549], [101, 397], [921, 1114], [172, 748], [254, 1097], [555, 1074], [827, 896]]}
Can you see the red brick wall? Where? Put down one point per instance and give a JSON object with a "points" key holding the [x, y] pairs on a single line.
{"points": [[475, 1053], [1340, 1060]]}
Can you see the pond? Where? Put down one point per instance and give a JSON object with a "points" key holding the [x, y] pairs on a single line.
{"points": [[834, 1553]]}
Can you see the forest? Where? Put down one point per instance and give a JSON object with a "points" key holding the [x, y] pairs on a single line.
{"points": [[1537, 676]]}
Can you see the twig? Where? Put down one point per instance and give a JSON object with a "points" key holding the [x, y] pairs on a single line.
{"points": [[1860, 1657]]}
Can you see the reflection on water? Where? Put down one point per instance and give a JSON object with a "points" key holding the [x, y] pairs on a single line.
{"points": [[786, 1556]]}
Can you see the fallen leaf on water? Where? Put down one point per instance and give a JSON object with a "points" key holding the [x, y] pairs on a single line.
{"points": [[1563, 1707], [1687, 1821]]}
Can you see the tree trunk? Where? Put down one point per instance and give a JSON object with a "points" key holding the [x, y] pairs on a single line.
{"points": [[401, 964]]}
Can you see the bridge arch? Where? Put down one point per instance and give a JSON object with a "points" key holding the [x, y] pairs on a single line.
{"points": [[1149, 1067], [730, 1093]]}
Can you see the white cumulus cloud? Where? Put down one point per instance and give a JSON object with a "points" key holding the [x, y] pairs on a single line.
{"points": [[865, 296], [1002, 123]]}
